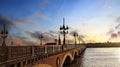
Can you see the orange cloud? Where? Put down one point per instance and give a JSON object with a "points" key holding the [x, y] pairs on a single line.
{"points": [[17, 41], [22, 22]]}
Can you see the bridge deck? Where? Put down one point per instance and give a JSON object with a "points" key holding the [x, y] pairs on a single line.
{"points": [[30, 55]]}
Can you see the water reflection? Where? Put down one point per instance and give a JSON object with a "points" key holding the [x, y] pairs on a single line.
{"points": [[98, 57], [101, 57], [94, 57]]}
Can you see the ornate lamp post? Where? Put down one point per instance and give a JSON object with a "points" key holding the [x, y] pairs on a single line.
{"points": [[41, 37], [75, 34], [4, 53], [79, 38], [59, 40], [4, 34], [64, 31], [56, 40]]}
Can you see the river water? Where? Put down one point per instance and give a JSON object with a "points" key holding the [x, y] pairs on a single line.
{"points": [[95, 57], [98, 57]]}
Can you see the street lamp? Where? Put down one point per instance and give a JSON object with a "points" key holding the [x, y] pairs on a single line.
{"points": [[41, 37], [4, 34], [79, 38], [64, 31], [75, 34], [59, 40], [56, 40]]}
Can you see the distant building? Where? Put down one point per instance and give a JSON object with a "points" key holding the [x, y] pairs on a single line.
{"points": [[52, 43]]}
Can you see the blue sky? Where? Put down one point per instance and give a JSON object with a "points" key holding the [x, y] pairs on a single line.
{"points": [[92, 18]]}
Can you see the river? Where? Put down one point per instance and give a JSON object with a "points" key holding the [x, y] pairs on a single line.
{"points": [[98, 57], [95, 57]]}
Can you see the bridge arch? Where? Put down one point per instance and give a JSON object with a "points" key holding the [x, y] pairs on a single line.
{"points": [[75, 53], [79, 52], [58, 62], [67, 56]]}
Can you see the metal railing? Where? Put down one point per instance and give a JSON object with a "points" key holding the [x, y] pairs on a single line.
{"points": [[14, 52]]}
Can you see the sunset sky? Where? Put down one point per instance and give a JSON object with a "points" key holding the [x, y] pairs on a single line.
{"points": [[94, 20]]}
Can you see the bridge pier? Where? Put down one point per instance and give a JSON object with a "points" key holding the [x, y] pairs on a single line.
{"points": [[15, 65], [32, 60], [21, 64], [24, 62], [28, 61]]}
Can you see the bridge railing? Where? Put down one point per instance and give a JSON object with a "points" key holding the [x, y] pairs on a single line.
{"points": [[58, 48], [53, 48], [14, 52], [3, 56], [38, 50], [71, 46]]}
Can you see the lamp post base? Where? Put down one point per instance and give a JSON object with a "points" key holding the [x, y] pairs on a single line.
{"points": [[64, 47]]}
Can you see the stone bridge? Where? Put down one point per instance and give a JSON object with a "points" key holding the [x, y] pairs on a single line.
{"points": [[29, 56], [59, 59]]}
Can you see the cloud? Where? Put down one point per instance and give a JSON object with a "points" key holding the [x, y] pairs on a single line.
{"points": [[17, 41], [7, 21], [43, 4], [72, 32], [118, 19], [35, 35], [117, 27], [41, 16], [114, 35], [77, 31], [13, 40], [31, 18], [47, 36], [54, 32], [118, 32], [21, 22], [110, 31], [80, 36], [10, 23], [108, 4], [118, 22]]}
